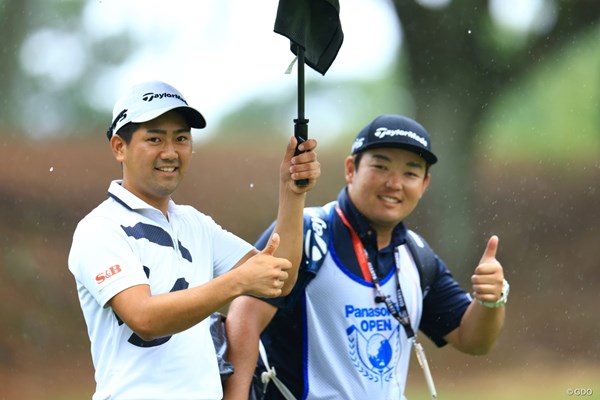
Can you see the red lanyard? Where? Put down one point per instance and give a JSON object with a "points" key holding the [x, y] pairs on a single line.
{"points": [[359, 249]]}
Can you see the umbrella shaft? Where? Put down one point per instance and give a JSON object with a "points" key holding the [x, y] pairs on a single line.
{"points": [[300, 82]]}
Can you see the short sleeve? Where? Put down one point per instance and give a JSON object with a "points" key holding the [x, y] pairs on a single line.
{"points": [[443, 306], [228, 249], [102, 260]]}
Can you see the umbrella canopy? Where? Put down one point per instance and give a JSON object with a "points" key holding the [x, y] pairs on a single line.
{"points": [[314, 26], [315, 33]]}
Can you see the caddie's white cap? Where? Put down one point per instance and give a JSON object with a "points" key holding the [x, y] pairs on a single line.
{"points": [[148, 100]]}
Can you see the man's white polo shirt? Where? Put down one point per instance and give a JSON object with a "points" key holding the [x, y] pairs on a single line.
{"points": [[126, 242]]}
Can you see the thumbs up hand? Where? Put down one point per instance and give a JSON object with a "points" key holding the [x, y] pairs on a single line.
{"points": [[265, 274], [488, 277]]}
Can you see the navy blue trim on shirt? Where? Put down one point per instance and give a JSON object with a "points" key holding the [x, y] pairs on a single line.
{"points": [[157, 235], [154, 234], [118, 200], [185, 253]]}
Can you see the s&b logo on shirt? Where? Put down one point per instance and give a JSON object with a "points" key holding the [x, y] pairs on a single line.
{"points": [[102, 276]]}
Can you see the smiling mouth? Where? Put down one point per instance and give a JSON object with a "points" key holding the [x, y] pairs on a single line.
{"points": [[391, 200], [167, 169]]}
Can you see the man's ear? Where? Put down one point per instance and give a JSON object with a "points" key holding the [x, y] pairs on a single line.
{"points": [[349, 169], [118, 147], [426, 182]]}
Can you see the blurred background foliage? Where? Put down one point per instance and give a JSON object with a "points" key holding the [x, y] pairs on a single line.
{"points": [[514, 114]]}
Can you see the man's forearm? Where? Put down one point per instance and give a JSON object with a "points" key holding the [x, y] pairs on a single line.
{"points": [[479, 329], [243, 354], [289, 225], [246, 319]]}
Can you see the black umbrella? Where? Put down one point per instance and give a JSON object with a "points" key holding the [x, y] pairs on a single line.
{"points": [[315, 33]]}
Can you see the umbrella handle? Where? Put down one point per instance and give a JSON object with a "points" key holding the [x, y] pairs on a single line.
{"points": [[301, 134]]}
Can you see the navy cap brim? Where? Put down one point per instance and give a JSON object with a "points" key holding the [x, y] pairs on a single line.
{"points": [[428, 156]]}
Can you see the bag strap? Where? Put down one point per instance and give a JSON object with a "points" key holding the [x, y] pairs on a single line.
{"points": [[270, 375], [425, 260], [317, 235]]}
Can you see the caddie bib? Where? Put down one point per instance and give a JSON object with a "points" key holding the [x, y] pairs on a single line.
{"points": [[355, 348]]}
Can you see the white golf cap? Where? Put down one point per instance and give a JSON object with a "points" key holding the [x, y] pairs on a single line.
{"points": [[148, 100]]}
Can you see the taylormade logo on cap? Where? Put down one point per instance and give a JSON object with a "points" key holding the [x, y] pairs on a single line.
{"points": [[151, 96], [383, 132]]}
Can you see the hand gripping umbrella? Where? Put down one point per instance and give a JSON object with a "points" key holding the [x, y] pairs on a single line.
{"points": [[315, 33]]}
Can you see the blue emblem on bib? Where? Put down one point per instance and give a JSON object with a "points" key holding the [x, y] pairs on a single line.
{"points": [[373, 356], [379, 351]]}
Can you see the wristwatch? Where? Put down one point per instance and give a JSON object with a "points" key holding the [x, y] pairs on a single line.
{"points": [[501, 301]]}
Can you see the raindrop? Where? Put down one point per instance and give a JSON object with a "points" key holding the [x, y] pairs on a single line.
{"points": [[51, 169]]}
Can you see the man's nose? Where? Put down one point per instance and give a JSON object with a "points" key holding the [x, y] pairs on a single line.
{"points": [[169, 151], [395, 181]]}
